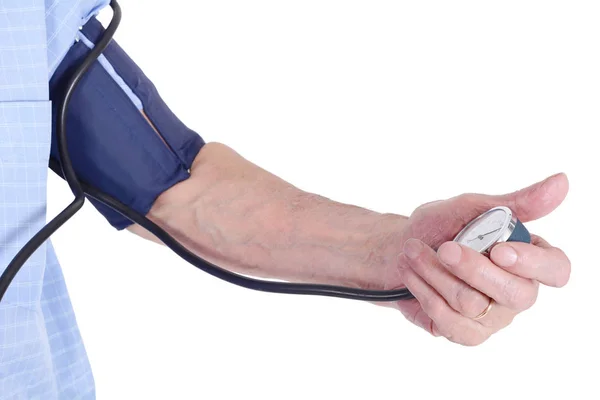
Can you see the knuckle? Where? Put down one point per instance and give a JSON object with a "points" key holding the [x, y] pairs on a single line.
{"points": [[465, 301], [434, 330], [410, 316], [467, 197], [419, 210], [511, 294], [529, 296], [447, 331], [518, 296], [502, 323], [474, 339], [434, 308], [466, 336], [465, 200], [464, 197], [527, 302]]}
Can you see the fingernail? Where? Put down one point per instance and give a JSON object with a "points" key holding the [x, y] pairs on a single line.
{"points": [[504, 256], [450, 253], [412, 248]]}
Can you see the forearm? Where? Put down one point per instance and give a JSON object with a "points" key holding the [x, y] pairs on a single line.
{"points": [[241, 217]]}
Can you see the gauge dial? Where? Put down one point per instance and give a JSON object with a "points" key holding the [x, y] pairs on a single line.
{"points": [[485, 230]]}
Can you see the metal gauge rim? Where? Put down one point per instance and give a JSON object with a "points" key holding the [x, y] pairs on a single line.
{"points": [[502, 236]]}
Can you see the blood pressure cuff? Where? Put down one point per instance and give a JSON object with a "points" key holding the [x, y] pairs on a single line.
{"points": [[112, 145]]}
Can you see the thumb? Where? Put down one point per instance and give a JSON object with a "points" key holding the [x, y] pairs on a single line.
{"points": [[537, 200]]}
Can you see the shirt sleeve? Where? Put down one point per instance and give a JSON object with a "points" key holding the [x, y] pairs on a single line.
{"points": [[64, 18], [24, 149], [41, 351], [24, 136]]}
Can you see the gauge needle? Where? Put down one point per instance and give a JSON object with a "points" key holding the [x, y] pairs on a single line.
{"points": [[480, 237]]}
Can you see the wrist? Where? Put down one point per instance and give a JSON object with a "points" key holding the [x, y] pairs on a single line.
{"points": [[342, 244], [381, 250]]}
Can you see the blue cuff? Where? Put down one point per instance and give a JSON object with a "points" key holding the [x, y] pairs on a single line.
{"points": [[111, 144]]}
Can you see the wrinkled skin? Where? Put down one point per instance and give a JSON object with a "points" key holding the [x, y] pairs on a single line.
{"points": [[301, 237], [453, 284]]}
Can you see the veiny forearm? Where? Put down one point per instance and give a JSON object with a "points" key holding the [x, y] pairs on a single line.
{"points": [[241, 217]]}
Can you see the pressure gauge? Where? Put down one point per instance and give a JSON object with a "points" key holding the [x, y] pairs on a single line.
{"points": [[494, 226]]}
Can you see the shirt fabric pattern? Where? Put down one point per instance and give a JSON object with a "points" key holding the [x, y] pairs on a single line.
{"points": [[41, 352]]}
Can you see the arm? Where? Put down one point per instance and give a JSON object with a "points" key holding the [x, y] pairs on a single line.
{"points": [[241, 217], [234, 214], [237, 215]]}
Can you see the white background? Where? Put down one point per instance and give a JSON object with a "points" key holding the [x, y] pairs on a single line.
{"points": [[384, 104]]}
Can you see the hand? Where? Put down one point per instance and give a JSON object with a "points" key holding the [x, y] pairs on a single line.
{"points": [[297, 236], [455, 284]]}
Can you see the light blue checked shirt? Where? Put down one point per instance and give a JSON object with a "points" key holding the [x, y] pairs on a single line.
{"points": [[41, 351]]}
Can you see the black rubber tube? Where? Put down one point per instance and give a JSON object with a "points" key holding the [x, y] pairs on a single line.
{"points": [[81, 189]]}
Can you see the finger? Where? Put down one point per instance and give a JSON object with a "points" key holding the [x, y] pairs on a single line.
{"points": [[537, 200], [446, 321], [528, 204], [412, 311], [542, 262], [459, 295], [478, 271]]}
